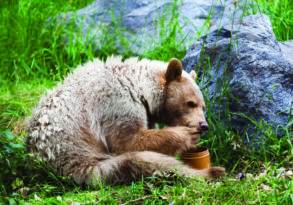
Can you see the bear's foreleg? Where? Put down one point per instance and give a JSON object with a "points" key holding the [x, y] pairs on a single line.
{"points": [[170, 141]]}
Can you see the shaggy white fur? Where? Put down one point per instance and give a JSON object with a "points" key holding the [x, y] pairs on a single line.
{"points": [[70, 126]]}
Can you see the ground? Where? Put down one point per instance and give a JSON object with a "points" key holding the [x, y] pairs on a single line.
{"points": [[34, 58]]}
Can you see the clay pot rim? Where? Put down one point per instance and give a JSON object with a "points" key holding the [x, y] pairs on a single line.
{"points": [[196, 149], [195, 157], [197, 152], [198, 158]]}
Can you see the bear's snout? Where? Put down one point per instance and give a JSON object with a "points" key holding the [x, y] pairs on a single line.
{"points": [[203, 126]]}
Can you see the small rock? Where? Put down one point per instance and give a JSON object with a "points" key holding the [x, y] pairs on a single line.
{"points": [[262, 174], [281, 172], [265, 187], [74, 203], [240, 176], [24, 191], [249, 175], [288, 174], [59, 198], [37, 198]]}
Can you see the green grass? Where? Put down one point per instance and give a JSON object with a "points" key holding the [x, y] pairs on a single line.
{"points": [[17, 101], [34, 57], [281, 16], [29, 49], [254, 190]]}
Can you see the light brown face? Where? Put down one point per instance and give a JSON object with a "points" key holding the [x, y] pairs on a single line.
{"points": [[184, 104]]}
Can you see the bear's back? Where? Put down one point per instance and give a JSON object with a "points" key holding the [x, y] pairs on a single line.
{"points": [[95, 92]]}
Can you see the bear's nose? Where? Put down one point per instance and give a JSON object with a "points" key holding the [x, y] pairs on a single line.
{"points": [[203, 126]]}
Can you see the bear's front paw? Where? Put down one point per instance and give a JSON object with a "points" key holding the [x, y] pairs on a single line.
{"points": [[188, 136]]}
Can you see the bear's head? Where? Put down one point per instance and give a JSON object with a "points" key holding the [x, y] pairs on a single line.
{"points": [[183, 101]]}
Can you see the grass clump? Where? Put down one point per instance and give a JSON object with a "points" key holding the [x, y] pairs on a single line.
{"points": [[281, 16], [170, 44], [16, 101], [28, 48]]}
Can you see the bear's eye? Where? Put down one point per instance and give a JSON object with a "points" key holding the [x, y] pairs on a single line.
{"points": [[191, 104]]}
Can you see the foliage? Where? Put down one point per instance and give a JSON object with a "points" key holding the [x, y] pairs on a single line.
{"points": [[168, 45], [19, 169], [29, 49], [11, 153], [281, 16]]}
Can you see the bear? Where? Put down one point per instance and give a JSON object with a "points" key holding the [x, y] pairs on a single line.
{"points": [[99, 124]]}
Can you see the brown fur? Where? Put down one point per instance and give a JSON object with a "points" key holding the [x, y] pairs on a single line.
{"points": [[98, 125]]}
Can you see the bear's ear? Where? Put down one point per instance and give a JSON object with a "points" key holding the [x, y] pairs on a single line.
{"points": [[193, 75], [174, 70]]}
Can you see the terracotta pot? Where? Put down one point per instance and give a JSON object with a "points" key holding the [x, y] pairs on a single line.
{"points": [[198, 158]]}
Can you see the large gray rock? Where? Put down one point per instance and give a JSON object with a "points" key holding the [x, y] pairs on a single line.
{"points": [[257, 68], [141, 21]]}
